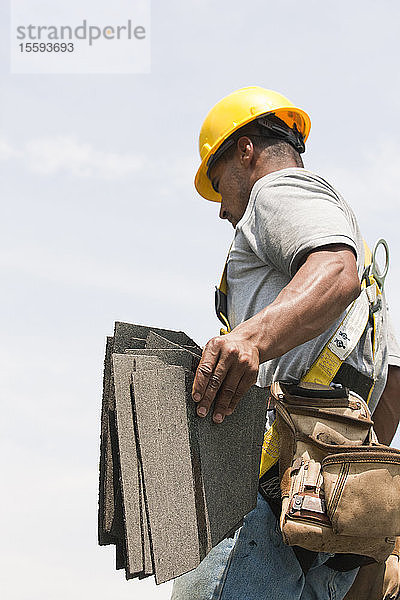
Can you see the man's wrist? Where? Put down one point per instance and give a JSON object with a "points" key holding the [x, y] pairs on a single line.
{"points": [[256, 332]]}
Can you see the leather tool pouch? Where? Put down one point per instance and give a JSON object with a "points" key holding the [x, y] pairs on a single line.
{"points": [[340, 487]]}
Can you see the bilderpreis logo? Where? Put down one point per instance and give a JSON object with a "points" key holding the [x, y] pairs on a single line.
{"points": [[57, 39]]}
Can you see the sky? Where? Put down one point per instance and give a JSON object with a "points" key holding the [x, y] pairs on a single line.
{"points": [[101, 222]]}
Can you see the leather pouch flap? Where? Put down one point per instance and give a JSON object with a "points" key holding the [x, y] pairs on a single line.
{"points": [[362, 492]]}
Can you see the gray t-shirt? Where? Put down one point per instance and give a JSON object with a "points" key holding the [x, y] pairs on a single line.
{"points": [[291, 212]]}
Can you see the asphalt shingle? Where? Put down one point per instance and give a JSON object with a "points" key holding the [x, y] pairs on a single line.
{"points": [[172, 484]]}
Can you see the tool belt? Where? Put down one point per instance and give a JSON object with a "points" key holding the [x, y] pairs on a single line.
{"points": [[340, 487]]}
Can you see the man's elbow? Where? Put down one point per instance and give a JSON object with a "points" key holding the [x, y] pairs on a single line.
{"points": [[351, 289], [346, 280]]}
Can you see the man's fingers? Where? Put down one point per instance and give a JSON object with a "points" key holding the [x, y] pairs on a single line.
{"points": [[205, 370], [227, 393], [214, 384]]}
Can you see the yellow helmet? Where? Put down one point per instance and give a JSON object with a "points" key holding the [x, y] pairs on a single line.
{"points": [[234, 111]]}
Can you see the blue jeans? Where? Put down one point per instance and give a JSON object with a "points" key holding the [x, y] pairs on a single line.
{"points": [[257, 565]]}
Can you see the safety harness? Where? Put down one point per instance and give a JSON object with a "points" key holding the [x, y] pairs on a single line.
{"points": [[329, 367]]}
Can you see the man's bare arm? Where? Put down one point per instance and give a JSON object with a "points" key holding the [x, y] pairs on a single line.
{"points": [[317, 295], [387, 414]]}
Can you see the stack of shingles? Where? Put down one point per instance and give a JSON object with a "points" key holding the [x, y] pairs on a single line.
{"points": [[172, 485]]}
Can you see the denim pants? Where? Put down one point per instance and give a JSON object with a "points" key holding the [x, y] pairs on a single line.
{"points": [[257, 565]]}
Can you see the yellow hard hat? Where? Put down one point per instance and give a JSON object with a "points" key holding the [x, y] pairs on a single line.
{"points": [[234, 111]]}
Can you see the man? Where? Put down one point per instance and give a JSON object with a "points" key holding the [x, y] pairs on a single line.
{"points": [[294, 266]]}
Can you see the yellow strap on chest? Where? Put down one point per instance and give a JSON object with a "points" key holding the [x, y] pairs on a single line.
{"points": [[221, 299], [270, 449], [223, 284]]}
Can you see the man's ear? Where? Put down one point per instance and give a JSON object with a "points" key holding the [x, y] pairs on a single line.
{"points": [[245, 150]]}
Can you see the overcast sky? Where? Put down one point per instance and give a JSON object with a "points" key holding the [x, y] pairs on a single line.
{"points": [[100, 222]]}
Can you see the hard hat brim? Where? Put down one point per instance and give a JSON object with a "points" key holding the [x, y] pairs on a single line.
{"points": [[203, 185], [202, 182]]}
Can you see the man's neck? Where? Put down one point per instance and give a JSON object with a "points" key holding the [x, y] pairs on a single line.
{"points": [[270, 166]]}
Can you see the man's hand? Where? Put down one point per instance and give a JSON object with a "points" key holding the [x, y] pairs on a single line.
{"points": [[227, 369]]}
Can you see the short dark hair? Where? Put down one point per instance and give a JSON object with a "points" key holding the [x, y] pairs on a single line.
{"points": [[267, 132], [275, 147]]}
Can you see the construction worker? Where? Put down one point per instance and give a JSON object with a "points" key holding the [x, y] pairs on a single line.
{"points": [[295, 265]]}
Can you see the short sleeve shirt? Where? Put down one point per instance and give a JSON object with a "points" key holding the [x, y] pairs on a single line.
{"points": [[290, 213]]}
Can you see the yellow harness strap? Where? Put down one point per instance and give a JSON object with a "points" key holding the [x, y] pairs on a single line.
{"points": [[221, 299], [334, 353]]}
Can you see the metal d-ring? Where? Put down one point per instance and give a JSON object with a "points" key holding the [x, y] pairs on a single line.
{"points": [[378, 275]]}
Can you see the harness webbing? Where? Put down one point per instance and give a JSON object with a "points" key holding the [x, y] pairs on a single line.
{"points": [[328, 364]]}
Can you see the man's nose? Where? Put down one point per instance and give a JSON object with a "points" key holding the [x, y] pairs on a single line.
{"points": [[222, 213]]}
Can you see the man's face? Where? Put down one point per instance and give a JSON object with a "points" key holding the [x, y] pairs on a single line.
{"points": [[230, 179]]}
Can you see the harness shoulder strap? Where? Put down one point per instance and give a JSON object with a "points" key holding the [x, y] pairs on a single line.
{"points": [[221, 299], [348, 333]]}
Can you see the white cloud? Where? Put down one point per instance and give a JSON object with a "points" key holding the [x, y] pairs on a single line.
{"points": [[59, 154], [69, 155], [7, 151]]}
